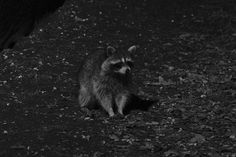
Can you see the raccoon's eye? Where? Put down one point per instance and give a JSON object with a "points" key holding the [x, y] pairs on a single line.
{"points": [[117, 65], [130, 64]]}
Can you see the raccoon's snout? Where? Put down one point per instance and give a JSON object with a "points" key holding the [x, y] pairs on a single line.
{"points": [[124, 70], [128, 70]]}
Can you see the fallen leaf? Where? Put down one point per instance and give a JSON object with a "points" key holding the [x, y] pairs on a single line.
{"points": [[114, 137], [198, 139], [147, 146], [171, 153]]}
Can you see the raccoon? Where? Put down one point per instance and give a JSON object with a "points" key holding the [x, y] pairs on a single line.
{"points": [[105, 79]]}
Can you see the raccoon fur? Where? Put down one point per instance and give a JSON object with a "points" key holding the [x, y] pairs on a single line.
{"points": [[105, 78]]}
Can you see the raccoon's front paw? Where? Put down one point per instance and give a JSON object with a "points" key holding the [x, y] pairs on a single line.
{"points": [[121, 112], [117, 117], [86, 111], [111, 114]]}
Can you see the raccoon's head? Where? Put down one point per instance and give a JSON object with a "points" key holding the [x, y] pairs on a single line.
{"points": [[118, 62]]}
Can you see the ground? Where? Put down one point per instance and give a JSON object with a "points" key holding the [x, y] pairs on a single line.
{"points": [[186, 60]]}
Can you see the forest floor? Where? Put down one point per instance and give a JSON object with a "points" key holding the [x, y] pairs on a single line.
{"points": [[186, 59]]}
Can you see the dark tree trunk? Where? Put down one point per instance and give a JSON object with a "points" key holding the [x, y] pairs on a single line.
{"points": [[18, 18]]}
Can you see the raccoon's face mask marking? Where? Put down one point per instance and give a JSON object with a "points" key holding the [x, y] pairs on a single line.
{"points": [[123, 66], [124, 70], [118, 62]]}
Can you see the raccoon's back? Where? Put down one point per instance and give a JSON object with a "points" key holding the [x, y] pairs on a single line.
{"points": [[91, 67]]}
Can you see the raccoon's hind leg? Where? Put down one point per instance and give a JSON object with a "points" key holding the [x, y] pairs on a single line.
{"points": [[121, 100], [84, 97]]}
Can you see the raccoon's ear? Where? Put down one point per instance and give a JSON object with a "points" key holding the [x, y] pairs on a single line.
{"points": [[133, 48], [110, 50]]}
